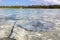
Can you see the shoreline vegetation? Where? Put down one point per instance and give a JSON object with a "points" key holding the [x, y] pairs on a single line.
{"points": [[32, 6]]}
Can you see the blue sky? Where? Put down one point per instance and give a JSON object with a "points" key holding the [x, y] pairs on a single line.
{"points": [[29, 2]]}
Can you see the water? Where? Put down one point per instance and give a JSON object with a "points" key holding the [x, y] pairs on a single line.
{"points": [[25, 17], [28, 13]]}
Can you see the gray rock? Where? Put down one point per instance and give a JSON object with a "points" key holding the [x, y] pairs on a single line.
{"points": [[37, 26], [34, 38], [32, 26], [48, 25], [7, 39]]}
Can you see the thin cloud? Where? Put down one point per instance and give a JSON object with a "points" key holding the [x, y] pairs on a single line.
{"points": [[54, 1], [46, 1], [34, 0]]}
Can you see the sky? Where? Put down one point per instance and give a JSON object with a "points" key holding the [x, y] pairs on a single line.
{"points": [[29, 2]]}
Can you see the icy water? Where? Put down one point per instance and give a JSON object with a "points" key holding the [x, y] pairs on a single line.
{"points": [[31, 24], [28, 13], [32, 19]]}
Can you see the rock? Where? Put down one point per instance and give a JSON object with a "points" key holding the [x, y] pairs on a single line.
{"points": [[37, 26], [32, 26], [7, 39], [19, 33], [34, 38], [5, 29], [48, 26]]}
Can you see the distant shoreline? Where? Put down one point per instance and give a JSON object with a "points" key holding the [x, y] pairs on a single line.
{"points": [[33, 6]]}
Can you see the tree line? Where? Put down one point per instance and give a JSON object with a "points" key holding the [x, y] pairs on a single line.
{"points": [[33, 6]]}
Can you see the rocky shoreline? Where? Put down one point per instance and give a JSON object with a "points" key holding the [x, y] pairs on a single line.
{"points": [[46, 28]]}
